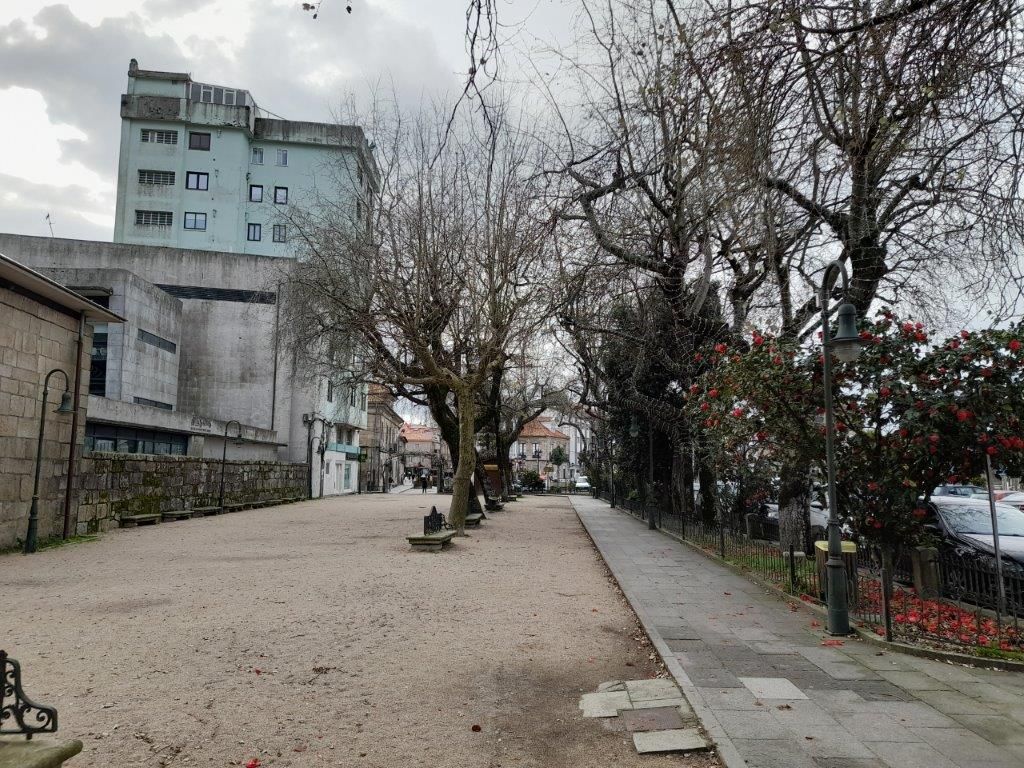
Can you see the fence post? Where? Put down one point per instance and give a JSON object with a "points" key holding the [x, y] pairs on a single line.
{"points": [[721, 540], [792, 569], [887, 592]]}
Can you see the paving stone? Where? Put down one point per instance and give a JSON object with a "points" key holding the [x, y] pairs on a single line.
{"points": [[994, 728], [717, 678], [772, 688], [773, 753], [611, 685], [750, 725], [604, 704], [678, 740], [955, 703], [849, 762], [960, 745], [869, 726], [878, 690], [832, 742], [652, 719], [730, 698], [652, 690], [914, 681], [681, 704], [897, 754]]}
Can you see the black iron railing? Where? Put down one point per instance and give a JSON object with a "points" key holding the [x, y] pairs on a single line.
{"points": [[18, 713]]}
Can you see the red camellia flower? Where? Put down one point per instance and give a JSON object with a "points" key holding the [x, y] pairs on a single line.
{"points": [[761, 435], [704, 406], [694, 389], [866, 335], [712, 393], [954, 344], [777, 360], [907, 328], [873, 486], [720, 348], [933, 438], [1014, 345], [884, 392], [963, 415], [737, 412], [921, 336], [991, 450], [965, 335], [903, 432], [877, 524], [920, 513], [698, 357], [758, 341]]}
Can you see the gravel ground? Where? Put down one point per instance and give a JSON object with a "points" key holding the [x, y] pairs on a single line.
{"points": [[311, 635]]}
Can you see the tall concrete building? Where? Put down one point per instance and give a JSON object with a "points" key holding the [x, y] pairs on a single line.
{"points": [[203, 167]]}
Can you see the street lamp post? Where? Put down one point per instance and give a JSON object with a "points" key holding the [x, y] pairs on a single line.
{"points": [[32, 535], [223, 459], [845, 345]]}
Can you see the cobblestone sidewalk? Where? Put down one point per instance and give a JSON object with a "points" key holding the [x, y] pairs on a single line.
{"points": [[773, 696]]}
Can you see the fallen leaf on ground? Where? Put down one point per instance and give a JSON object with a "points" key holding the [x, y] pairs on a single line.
{"points": [[832, 643], [254, 763]]}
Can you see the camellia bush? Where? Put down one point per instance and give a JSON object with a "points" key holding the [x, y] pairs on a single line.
{"points": [[911, 413]]}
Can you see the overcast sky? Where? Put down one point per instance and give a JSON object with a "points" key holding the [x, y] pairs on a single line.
{"points": [[63, 68]]}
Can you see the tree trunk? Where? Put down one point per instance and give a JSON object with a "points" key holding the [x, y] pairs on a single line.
{"points": [[794, 507], [462, 484], [448, 423]]}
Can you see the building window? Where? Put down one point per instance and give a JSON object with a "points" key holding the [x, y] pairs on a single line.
{"points": [[255, 193], [199, 141], [281, 195], [257, 155], [255, 233], [152, 404], [161, 178], [98, 364], [154, 136], [282, 157], [154, 218], [280, 233], [194, 180], [108, 438], [157, 341], [195, 221], [330, 391], [206, 94]]}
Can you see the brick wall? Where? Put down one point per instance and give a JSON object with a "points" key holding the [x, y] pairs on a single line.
{"points": [[34, 339], [113, 485]]}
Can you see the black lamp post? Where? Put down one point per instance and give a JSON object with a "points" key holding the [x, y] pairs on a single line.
{"points": [[845, 345], [223, 459], [32, 535]]}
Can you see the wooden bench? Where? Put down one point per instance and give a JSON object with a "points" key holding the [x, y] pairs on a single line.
{"points": [[130, 521], [205, 511], [177, 514]]}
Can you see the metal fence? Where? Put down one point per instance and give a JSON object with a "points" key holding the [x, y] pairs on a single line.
{"points": [[966, 613]]}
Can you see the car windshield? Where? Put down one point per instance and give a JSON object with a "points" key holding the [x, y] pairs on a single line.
{"points": [[976, 519]]}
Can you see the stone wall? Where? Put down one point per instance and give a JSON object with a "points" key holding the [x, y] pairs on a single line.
{"points": [[112, 485], [35, 338]]}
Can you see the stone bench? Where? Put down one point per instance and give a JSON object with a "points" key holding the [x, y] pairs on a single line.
{"points": [[473, 520], [434, 542], [177, 514], [130, 521], [205, 511], [235, 507], [18, 752]]}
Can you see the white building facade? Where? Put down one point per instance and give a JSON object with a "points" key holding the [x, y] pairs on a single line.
{"points": [[202, 167]]}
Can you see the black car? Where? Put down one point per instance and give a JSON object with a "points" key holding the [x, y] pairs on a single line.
{"points": [[967, 547]]}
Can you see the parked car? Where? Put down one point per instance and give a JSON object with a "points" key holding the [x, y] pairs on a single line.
{"points": [[967, 549], [582, 483], [968, 491], [1013, 498], [818, 518]]}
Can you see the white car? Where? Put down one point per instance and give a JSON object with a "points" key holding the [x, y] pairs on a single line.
{"points": [[582, 483]]}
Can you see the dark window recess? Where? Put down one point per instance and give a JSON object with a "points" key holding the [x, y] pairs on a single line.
{"points": [[219, 294], [254, 233], [330, 391], [195, 221], [281, 195], [152, 403], [98, 364], [280, 233], [154, 136], [107, 437], [157, 341], [199, 141]]}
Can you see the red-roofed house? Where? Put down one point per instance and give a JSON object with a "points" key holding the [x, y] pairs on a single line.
{"points": [[536, 442]]}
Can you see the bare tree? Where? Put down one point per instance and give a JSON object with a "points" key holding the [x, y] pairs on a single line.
{"points": [[436, 277]]}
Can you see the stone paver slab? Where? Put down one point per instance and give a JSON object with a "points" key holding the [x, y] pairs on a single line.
{"points": [[651, 690], [678, 740], [652, 719], [604, 704], [772, 688]]}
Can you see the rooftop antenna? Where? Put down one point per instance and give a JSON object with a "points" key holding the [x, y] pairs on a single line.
{"points": [[49, 222]]}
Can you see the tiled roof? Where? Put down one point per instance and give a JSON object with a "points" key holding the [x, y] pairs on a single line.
{"points": [[538, 428], [418, 432]]}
